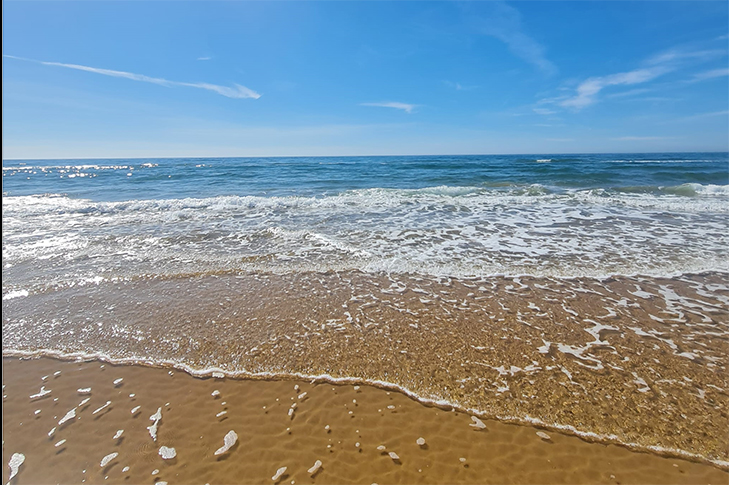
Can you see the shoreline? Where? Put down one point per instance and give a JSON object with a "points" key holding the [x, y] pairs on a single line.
{"points": [[215, 372], [628, 361], [501, 452]]}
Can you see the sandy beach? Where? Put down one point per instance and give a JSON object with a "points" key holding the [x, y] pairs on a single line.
{"points": [[538, 294], [351, 430], [374, 243]]}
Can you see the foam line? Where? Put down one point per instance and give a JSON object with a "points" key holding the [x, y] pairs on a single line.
{"points": [[326, 378]]}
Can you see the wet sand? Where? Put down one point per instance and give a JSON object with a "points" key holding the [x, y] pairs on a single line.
{"points": [[630, 360], [360, 419]]}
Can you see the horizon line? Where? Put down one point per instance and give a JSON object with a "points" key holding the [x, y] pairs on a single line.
{"points": [[353, 156]]}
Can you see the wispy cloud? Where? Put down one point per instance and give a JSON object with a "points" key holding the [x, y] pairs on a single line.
{"points": [[408, 108], [458, 86], [630, 92], [702, 76], [588, 90], [504, 22], [204, 58], [673, 56], [237, 91], [656, 66], [699, 116], [544, 111]]}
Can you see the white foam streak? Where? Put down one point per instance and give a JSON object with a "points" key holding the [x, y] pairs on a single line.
{"points": [[108, 458], [15, 461], [228, 441], [15, 294]]}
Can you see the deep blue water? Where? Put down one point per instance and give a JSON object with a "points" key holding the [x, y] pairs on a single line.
{"points": [[135, 179]]}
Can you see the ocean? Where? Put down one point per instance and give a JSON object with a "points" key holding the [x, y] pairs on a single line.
{"points": [[585, 293]]}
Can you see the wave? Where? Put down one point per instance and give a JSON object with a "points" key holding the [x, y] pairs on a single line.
{"points": [[496, 191], [684, 190], [459, 231]]}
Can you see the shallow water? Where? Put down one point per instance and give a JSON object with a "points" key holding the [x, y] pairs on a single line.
{"points": [[587, 355]]}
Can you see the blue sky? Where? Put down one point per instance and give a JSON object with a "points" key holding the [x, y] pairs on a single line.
{"points": [[157, 79]]}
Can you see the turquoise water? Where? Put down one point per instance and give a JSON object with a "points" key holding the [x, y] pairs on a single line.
{"points": [[137, 179]]}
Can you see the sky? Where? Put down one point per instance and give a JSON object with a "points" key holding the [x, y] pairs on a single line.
{"points": [[333, 78]]}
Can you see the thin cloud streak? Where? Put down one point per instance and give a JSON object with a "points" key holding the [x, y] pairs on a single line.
{"points": [[702, 76], [504, 22], [408, 108], [702, 115], [544, 111], [655, 66], [459, 86], [587, 91], [675, 55], [237, 92], [632, 92]]}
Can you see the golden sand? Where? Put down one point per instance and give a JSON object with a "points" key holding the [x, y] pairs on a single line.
{"points": [[342, 426]]}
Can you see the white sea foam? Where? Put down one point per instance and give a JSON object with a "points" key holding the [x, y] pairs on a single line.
{"points": [[156, 417], [228, 441], [317, 465], [108, 458], [279, 473], [439, 231], [167, 453], [15, 461], [40, 394], [15, 294], [68, 417], [102, 407]]}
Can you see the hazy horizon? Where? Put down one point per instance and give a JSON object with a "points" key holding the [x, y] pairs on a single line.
{"points": [[372, 156]]}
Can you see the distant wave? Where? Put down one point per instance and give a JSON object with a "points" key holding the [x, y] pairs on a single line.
{"points": [[685, 197]]}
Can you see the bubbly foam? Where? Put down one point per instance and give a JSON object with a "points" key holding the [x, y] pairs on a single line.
{"points": [[50, 240]]}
